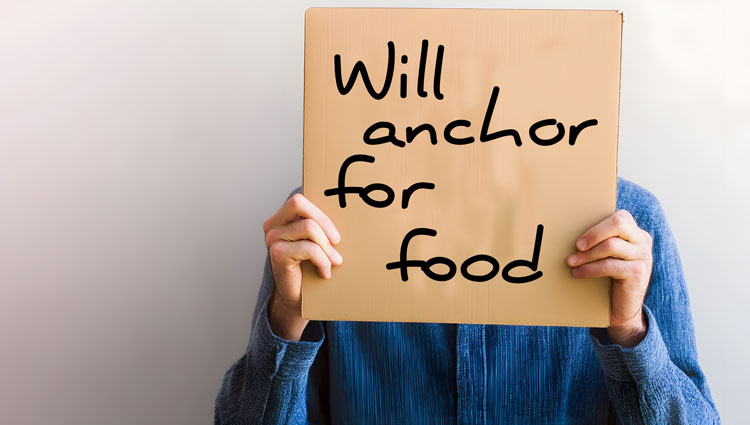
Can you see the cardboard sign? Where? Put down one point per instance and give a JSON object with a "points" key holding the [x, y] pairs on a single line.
{"points": [[460, 153]]}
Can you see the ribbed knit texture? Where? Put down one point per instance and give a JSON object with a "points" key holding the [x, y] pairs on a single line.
{"points": [[416, 373]]}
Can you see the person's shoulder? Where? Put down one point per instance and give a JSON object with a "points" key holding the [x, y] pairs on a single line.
{"points": [[641, 203], [633, 196]]}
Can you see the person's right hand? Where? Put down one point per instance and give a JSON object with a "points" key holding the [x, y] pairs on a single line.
{"points": [[298, 231]]}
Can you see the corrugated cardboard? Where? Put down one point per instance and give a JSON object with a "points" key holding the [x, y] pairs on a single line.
{"points": [[489, 197]]}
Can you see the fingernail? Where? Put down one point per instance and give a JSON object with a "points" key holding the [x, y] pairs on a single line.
{"points": [[573, 259], [581, 244], [336, 236], [337, 256]]}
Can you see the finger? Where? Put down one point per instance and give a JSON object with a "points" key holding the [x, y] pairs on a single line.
{"points": [[299, 206], [613, 247], [306, 228], [620, 224], [285, 254], [608, 267]]}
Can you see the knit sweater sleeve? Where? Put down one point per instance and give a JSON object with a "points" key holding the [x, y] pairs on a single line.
{"points": [[269, 383], [659, 380]]}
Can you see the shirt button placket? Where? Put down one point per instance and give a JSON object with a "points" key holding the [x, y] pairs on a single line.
{"points": [[471, 382]]}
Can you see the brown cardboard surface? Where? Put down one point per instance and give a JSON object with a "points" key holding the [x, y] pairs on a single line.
{"points": [[489, 197]]}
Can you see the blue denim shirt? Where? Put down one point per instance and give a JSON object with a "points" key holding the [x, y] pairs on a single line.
{"points": [[428, 373]]}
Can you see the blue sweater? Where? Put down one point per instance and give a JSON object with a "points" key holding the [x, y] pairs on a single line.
{"points": [[427, 373]]}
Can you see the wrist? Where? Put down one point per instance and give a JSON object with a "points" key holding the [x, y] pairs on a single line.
{"points": [[631, 333], [286, 322]]}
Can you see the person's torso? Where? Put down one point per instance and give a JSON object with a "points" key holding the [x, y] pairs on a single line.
{"points": [[414, 373]]}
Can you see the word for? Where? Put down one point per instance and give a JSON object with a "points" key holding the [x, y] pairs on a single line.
{"points": [[360, 68], [364, 192], [426, 265], [484, 134]]}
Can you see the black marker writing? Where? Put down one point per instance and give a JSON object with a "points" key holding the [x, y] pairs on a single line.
{"points": [[360, 69], [457, 132], [383, 132], [364, 192], [404, 263]]}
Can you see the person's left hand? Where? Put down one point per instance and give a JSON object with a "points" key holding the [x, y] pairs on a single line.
{"points": [[616, 247]]}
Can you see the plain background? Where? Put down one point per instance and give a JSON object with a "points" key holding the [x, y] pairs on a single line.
{"points": [[144, 142]]}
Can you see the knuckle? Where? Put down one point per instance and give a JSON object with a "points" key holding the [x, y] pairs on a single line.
{"points": [[276, 250], [609, 244], [308, 248], [625, 215], [639, 270], [296, 200], [308, 226], [270, 237], [622, 218], [314, 252]]}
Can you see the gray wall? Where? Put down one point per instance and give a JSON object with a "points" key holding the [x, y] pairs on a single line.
{"points": [[143, 143]]}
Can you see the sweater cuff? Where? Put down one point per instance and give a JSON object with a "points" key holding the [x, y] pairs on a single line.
{"points": [[282, 358], [640, 363]]}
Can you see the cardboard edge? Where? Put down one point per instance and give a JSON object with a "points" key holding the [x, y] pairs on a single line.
{"points": [[617, 145], [570, 324], [463, 8], [308, 11]]}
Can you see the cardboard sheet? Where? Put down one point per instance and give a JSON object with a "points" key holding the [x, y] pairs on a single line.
{"points": [[522, 160]]}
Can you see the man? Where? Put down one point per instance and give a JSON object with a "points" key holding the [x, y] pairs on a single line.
{"points": [[642, 369]]}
